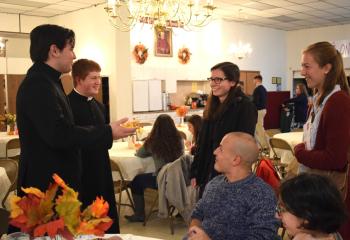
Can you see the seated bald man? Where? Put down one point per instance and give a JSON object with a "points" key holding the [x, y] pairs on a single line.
{"points": [[236, 204]]}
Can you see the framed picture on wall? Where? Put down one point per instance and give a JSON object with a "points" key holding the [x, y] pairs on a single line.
{"points": [[274, 80], [163, 46]]}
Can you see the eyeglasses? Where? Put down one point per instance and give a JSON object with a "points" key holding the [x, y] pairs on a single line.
{"points": [[280, 209], [216, 80]]}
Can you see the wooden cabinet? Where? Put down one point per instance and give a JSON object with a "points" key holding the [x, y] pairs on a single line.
{"points": [[13, 82], [247, 77]]}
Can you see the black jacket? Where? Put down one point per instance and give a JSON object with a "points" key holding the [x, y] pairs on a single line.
{"points": [[240, 116], [49, 139], [97, 174]]}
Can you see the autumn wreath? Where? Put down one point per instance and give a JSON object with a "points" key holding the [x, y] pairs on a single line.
{"points": [[140, 53], [184, 55]]}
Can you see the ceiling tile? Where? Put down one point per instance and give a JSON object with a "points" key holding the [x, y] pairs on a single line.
{"points": [[339, 11], [11, 6], [25, 3], [258, 6], [320, 5], [280, 11], [340, 3], [277, 3], [303, 1], [299, 15], [319, 13], [63, 7], [299, 8], [284, 19], [73, 4]]}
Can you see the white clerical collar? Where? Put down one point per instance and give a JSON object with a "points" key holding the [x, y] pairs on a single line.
{"points": [[88, 98]]}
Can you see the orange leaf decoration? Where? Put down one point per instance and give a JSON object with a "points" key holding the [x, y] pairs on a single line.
{"points": [[99, 208], [50, 228], [181, 111], [40, 213]]}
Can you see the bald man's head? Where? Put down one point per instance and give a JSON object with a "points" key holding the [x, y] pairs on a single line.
{"points": [[244, 145]]}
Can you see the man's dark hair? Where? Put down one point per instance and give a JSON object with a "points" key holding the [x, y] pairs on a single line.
{"points": [[259, 77], [316, 199], [43, 36]]}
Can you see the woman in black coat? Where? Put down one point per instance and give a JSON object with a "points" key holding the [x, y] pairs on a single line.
{"points": [[300, 104], [228, 110]]}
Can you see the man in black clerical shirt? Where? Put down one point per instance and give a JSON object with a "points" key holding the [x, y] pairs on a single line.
{"points": [[97, 175], [50, 140]]}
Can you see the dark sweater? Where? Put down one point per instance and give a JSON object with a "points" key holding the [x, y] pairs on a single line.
{"points": [[240, 210], [260, 97]]}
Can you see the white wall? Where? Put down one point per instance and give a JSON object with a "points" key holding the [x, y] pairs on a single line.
{"points": [[96, 39], [300, 39], [210, 46]]}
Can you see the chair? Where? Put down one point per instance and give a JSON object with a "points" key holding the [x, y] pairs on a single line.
{"points": [[174, 191], [121, 185], [11, 145], [171, 209], [277, 143], [11, 168]]}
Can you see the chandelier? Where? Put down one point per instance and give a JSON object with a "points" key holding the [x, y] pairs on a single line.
{"points": [[187, 14], [241, 50]]}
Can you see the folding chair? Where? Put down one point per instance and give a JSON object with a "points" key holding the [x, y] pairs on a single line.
{"points": [[277, 143], [11, 168], [171, 210], [12, 145], [121, 185]]}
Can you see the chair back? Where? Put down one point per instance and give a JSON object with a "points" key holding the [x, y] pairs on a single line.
{"points": [[12, 144], [11, 168], [279, 144], [120, 185]]}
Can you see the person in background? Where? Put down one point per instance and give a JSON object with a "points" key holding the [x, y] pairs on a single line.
{"points": [[237, 204], [228, 110], [194, 124], [50, 140], [96, 170], [327, 131], [259, 99], [310, 207], [300, 104], [164, 144]]}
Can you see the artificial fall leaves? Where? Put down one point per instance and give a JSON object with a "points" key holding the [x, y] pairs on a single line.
{"points": [[39, 213]]}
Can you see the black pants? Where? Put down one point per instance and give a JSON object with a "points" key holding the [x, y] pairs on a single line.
{"points": [[143, 181]]}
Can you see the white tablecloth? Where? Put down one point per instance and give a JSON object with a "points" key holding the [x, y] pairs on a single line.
{"points": [[129, 164], [293, 138], [4, 138]]}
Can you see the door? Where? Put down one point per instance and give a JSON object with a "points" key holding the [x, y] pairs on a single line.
{"points": [[13, 82]]}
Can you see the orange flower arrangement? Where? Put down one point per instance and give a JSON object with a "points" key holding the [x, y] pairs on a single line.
{"points": [[40, 213], [140, 53], [181, 111], [184, 55]]}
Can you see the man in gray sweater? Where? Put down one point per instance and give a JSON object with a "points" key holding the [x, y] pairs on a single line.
{"points": [[235, 205]]}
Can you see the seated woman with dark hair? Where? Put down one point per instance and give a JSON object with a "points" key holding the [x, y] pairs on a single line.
{"points": [[165, 145], [194, 124], [311, 207]]}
